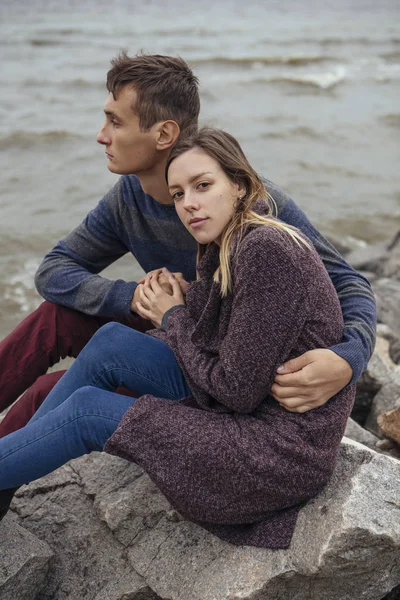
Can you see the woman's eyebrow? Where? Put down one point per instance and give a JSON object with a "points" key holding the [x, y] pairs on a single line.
{"points": [[191, 179]]}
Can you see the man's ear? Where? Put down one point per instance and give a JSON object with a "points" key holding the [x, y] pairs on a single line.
{"points": [[167, 135]]}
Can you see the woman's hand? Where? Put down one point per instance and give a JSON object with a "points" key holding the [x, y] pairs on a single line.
{"points": [[154, 301], [164, 282]]}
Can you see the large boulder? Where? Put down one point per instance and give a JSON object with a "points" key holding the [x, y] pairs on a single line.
{"points": [[24, 562], [115, 537]]}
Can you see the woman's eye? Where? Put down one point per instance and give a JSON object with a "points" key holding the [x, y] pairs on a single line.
{"points": [[176, 196], [203, 185]]}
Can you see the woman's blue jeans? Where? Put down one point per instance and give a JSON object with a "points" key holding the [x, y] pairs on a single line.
{"points": [[82, 412]]}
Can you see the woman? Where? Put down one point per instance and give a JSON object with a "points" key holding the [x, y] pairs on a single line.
{"points": [[220, 448]]}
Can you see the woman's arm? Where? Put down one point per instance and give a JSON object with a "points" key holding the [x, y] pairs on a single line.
{"points": [[269, 310]]}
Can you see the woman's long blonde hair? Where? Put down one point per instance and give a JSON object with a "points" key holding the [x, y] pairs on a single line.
{"points": [[226, 150]]}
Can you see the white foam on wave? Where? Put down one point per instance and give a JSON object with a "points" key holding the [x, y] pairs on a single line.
{"points": [[325, 80], [20, 288]]}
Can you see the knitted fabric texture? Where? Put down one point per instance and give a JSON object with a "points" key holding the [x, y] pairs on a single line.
{"points": [[229, 457]]}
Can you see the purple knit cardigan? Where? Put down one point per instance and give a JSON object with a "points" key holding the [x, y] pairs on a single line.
{"points": [[229, 457]]}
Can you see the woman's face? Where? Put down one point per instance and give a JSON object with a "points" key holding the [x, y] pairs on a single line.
{"points": [[204, 195]]}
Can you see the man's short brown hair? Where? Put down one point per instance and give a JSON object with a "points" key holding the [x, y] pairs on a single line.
{"points": [[166, 88]]}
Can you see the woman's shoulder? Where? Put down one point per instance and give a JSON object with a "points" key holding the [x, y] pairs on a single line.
{"points": [[275, 241]]}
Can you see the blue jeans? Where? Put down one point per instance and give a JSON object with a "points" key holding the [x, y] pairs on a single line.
{"points": [[82, 412]]}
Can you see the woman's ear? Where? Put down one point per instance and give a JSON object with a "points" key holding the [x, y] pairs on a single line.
{"points": [[167, 135], [241, 191]]}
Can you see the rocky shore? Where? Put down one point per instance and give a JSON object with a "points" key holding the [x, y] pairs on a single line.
{"points": [[98, 528]]}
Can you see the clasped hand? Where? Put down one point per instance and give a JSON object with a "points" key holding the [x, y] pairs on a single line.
{"points": [[154, 300]]}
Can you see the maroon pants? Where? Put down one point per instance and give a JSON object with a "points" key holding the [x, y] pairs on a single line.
{"points": [[46, 336]]}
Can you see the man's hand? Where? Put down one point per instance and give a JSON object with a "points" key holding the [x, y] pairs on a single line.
{"points": [[310, 380], [154, 301]]}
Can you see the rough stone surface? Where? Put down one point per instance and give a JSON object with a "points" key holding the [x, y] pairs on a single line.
{"points": [[115, 537], [355, 432], [391, 266], [387, 293], [389, 424], [369, 258], [24, 562]]}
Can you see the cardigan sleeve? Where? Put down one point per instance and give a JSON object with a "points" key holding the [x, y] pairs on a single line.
{"points": [[268, 312]]}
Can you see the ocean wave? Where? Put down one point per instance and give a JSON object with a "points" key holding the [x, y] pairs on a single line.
{"points": [[391, 57], [336, 170], [19, 289], [392, 120], [77, 83], [30, 138], [41, 42], [296, 60], [324, 81], [293, 132]]}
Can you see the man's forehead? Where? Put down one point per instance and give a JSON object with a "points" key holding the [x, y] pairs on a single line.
{"points": [[122, 103]]}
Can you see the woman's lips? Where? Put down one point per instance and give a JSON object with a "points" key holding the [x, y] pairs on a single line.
{"points": [[197, 222]]}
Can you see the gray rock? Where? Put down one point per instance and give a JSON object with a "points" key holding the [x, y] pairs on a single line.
{"points": [[355, 432], [115, 537], [88, 558], [349, 532], [369, 258], [387, 399], [391, 267], [369, 385], [387, 293], [24, 562]]}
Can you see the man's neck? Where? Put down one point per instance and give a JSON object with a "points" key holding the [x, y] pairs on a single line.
{"points": [[153, 183]]}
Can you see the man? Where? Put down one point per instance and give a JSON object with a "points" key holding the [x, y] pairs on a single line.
{"points": [[152, 100]]}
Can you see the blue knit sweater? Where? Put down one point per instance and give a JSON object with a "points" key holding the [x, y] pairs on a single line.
{"points": [[128, 220]]}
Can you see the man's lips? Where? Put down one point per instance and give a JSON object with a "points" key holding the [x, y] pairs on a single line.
{"points": [[197, 221], [109, 155]]}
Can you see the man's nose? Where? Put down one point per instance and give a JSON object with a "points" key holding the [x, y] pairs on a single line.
{"points": [[102, 138]]}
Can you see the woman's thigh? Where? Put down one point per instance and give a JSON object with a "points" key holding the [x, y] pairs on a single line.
{"points": [[135, 360], [119, 356]]}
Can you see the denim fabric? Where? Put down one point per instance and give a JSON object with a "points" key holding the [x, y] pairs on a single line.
{"points": [[82, 411]]}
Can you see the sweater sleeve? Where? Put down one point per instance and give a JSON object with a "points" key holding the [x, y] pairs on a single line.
{"points": [[68, 274], [355, 295], [268, 312]]}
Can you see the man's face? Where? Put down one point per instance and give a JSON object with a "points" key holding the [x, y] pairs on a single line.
{"points": [[128, 149]]}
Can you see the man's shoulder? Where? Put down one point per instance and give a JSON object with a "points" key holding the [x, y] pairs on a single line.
{"points": [[280, 197]]}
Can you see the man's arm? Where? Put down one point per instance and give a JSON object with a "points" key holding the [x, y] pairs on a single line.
{"points": [[310, 380], [356, 298], [68, 274]]}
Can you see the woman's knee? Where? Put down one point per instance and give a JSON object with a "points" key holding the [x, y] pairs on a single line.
{"points": [[113, 338]]}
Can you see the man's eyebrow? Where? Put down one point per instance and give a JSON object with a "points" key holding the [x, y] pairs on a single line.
{"points": [[191, 179], [111, 114]]}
